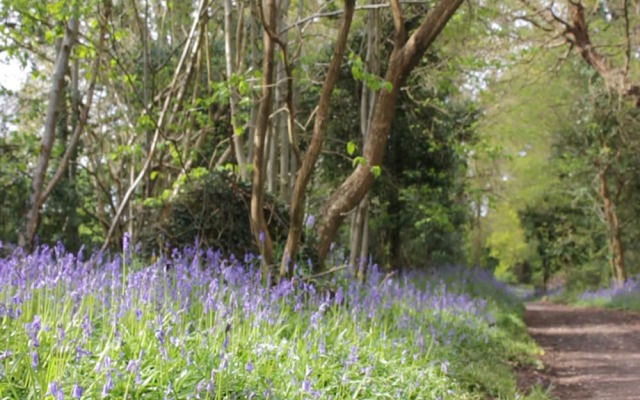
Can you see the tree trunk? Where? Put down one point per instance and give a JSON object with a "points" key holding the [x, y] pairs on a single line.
{"points": [[55, 95], [281, 128], [258, 223], [405, 56], [308, 162], [272, 146], [72, 227], [614, 229], [356, 235], [360, 232], [363, 262], [395, 207], [230, 57]]}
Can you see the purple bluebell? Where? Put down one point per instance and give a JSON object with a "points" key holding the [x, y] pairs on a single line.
{"points": [[249, 367], [108, 386], [33, 329], [55, 391], [35, 360], [77, 391]]}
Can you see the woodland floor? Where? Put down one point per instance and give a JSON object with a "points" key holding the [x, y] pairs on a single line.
{"points": [[588, 353]]}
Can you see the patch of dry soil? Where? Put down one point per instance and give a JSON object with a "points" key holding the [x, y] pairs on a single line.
{"points": [[589, 353]]}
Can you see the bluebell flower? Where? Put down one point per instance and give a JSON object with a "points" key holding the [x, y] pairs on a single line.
{"points": [[249, 367], [77, 391], [55, 391], [35, 359], [108, 386]]}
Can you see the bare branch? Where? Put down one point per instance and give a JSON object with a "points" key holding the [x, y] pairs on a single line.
{"points": [[318, 16]]}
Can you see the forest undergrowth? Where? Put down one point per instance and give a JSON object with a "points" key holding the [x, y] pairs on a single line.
{"points": [[196, 325]]}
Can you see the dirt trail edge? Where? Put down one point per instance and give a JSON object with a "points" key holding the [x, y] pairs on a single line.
{"points": [[589, 353]]}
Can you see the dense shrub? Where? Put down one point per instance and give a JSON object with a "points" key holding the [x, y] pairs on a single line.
{"points": [[212, 210]]}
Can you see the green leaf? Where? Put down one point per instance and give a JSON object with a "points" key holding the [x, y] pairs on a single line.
{"points": [[50, 36], [376, 170], [359, 161], [351, 148], [154, 175]]}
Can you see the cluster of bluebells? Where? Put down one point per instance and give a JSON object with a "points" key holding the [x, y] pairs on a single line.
{"points": [[103, 327], [631, 288]]}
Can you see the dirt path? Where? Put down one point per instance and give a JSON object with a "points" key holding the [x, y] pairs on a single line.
{"points": [[589, 354]]}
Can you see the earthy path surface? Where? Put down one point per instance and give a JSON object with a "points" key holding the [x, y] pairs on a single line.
{"points": [[589, 354]]}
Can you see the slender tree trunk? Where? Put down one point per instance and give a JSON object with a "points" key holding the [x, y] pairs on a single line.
{"points": [[359, 251], [360, 232], [364, 251], [313, 151], [258, 223], [355, 237], [230, 57], [614, 229], [55, 97], [72, 228], [281, 128], [272, 171], [254, 38]]}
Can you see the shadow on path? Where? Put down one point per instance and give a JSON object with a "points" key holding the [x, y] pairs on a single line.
{"points": [[589, 353]]}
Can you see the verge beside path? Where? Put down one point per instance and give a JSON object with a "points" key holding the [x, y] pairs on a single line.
{"points": [[589, 353]]}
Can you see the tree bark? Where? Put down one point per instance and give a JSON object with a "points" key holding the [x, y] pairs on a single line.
{"points": [[405, 56], [614, 229], [230, 57], [313, 151], [48, 136], [258, 223], [281, 128], [360, 232]]}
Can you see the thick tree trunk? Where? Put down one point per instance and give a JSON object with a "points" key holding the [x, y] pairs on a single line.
{"points": [[55, 95], [614, 230], [404, 57], [349, 194]]}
